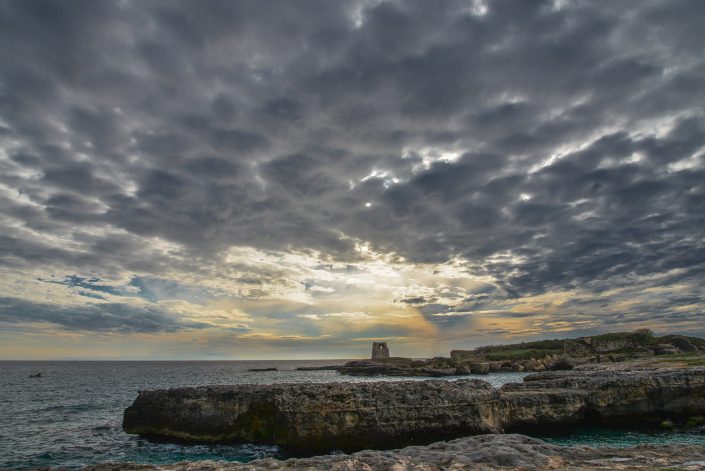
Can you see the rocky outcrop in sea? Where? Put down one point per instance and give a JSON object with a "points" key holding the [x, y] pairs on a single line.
{"points": [[306, 418]]}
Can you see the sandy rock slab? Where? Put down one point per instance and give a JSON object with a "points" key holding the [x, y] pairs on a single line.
{"points": [[482, 453]]}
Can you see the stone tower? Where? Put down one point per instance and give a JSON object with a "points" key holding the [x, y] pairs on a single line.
{"points": [[380, 350]]}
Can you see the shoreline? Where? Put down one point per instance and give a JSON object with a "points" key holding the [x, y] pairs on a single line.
{"points": [[148, 454], [480, 452]]}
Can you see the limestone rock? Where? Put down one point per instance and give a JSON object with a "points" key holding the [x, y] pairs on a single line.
{"points": [[562, 363], [481, 453], [495, 365], [683, 344], [665, 349], [384, 368], [633, 395], [318, 417], [353, 416]]}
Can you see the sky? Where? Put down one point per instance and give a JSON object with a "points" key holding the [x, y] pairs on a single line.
{"points": [[296, 179]]}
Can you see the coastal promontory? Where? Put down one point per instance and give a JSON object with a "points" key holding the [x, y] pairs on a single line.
{"points": [[304, 418]]}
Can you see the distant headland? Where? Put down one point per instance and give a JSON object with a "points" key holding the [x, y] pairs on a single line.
{"points": [[543, 355]]}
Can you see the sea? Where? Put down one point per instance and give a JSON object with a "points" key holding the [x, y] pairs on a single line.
{"points": [[71, 416]]}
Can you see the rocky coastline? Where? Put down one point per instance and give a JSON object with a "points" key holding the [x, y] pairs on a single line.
{"points": [[311, 418], [480, 453], [543, 355]]}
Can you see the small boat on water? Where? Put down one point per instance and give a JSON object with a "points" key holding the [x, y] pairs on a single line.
{"points": [[38, 375]]}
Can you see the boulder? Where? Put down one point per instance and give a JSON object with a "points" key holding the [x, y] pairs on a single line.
{"points": [[562, 363], [495, 365], [480, 368], [665, 349], [683, 344]]}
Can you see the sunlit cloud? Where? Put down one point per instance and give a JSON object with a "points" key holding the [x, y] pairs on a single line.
{"points": [[248, 180]]}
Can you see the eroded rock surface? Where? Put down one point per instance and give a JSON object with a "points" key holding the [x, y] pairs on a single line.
{"points": [[484, 452], [352, 416], [318, 417], [622, 394]]}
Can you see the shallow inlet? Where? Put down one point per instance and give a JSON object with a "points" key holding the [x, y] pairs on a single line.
{"points": [[621, 438]]}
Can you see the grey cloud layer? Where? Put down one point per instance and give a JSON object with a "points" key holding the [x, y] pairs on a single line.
{"points": [[579, 129], [108, 317]]}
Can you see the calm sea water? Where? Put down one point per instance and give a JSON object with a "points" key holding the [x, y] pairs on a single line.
{"points": [[71, 416]]}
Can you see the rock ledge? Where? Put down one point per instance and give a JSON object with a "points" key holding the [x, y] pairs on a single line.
{"points": [[308, 418]]}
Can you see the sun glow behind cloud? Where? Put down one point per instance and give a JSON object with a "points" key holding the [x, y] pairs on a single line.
{"points": [[253, 180]]}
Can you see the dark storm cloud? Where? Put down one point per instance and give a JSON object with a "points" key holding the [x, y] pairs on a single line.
{"points": [[107, 317], [552, 145]]}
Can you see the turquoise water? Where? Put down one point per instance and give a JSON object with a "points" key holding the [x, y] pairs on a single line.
{"points": [[620, 438], [72, 415]]}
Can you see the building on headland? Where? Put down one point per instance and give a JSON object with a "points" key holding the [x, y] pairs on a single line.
{"points": [[380, 350]]}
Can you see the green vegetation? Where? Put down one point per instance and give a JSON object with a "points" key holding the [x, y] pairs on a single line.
{"points": [[678, 356], [519, 354], [689, 359], [629, 350], [521, 351], [538, 345], [627, 343], [695, 421], [636, 338], [667, 424]]}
